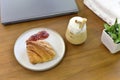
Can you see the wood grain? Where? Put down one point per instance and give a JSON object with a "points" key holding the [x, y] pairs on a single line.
{"points": [[89, 61]]}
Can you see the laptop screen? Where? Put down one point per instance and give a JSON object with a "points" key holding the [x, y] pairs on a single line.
{"points": [[13, 11]]}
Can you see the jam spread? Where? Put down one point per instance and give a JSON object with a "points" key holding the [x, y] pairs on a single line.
{"points": [[39, 36]]}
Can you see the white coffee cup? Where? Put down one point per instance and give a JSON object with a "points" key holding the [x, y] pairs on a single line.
{"points": [[76, 32]]}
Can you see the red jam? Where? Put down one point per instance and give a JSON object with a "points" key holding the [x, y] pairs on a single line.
{"points": [[39, 36]]}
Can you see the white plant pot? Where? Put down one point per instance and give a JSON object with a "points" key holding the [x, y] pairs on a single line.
{"points": [[109, 43]]}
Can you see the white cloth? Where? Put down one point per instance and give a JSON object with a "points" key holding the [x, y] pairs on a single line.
{"points": [[108, 10]]}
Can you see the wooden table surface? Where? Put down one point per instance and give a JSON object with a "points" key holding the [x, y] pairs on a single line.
{"points": [[89, 61]]}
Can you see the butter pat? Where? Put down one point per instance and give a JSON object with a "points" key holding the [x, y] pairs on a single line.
{"points": [[76, 32]]}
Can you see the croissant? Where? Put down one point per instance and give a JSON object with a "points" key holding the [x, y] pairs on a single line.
{"points": [[39, 51]]}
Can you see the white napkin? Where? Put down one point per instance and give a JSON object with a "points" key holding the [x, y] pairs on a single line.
{"points": [[108, 10]]}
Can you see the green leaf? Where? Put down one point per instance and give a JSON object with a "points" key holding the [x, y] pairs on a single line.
{"points": [[107, 27], [116, 27], [117, 41], [114, 36], [116, 21], [119, 28], [112, 29]]}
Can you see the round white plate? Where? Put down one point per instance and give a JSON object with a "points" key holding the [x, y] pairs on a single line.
{"points": [[54, 39]]}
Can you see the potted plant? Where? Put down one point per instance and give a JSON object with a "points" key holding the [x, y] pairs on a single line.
{"points": [[111, 37]]}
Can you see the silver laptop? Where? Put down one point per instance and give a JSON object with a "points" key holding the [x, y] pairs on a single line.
{"points": [[13, 11]]}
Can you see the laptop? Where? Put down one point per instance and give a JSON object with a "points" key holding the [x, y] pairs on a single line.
{"points": [[14, 11]]}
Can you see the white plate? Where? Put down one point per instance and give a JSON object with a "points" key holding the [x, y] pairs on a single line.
{"points": [[54, 39]]}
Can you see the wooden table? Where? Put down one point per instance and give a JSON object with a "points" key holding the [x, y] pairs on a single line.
{"points": [[89, 61]]}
